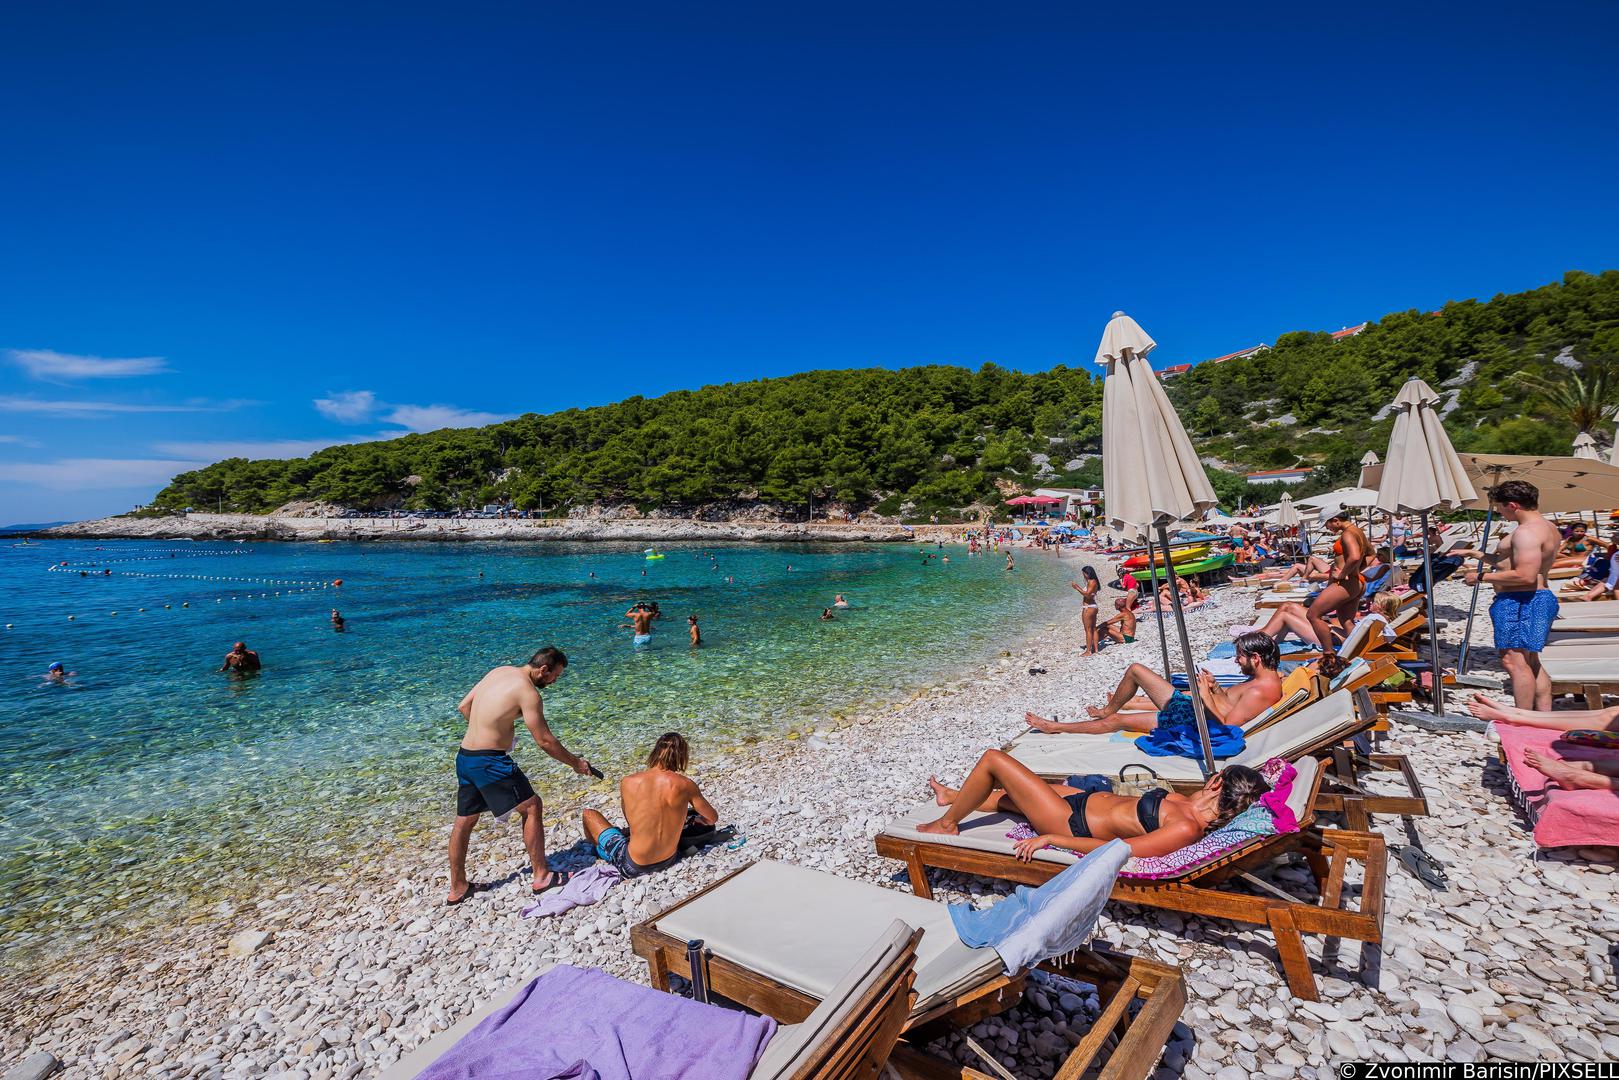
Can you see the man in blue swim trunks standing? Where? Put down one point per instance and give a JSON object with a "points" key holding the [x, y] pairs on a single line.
{"points": [[488, 778], [1524, 607]]}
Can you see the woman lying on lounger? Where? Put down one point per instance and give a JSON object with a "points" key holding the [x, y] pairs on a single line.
{"points": [[1156, 823]]}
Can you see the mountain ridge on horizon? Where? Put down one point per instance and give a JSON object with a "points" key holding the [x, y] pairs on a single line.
{"points": [[940, 438]]}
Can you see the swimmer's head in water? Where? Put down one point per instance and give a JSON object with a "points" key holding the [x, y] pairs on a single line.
{"points": [[692, 619], [669, 752], [55, 666], [240, 646]]}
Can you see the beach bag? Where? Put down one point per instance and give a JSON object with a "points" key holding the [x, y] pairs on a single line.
{"points": [[1137, 779]]}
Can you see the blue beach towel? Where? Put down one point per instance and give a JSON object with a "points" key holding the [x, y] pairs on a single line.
{"points": [[1176, 733]]}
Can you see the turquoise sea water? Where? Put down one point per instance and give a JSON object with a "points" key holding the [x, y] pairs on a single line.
{"points": [[152, 784]]}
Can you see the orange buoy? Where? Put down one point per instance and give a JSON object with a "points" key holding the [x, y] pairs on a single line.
{"points": [[338, 583]]}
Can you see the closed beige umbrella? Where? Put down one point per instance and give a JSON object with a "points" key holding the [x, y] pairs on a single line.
{"points": [[1421, 474], [1151, 475], [1586, 447], [1286, 516]]}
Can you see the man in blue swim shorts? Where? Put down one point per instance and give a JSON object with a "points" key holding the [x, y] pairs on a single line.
{"points": [[1524, 607], [487, 779]]}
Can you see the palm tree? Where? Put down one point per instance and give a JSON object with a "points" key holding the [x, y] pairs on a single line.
{"points": [[1585, 398]]}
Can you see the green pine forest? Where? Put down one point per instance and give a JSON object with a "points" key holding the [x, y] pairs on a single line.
{"points": [[1519, 374]]}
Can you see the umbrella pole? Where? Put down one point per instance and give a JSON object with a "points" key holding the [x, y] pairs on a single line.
{"points": [[1472, 605], [1186, 655], [1152, 584], [1433, 627]]}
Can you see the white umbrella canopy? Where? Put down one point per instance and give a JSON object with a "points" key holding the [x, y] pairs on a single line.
{"points": [[1286, 516], [1151, 475], [1567, 484], [1421, 472], [1150, 472], [1368, 463], [1351, 496], [1586, 447]]}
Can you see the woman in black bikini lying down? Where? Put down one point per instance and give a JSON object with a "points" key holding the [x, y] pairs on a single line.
{"points": [[1157, 823]]}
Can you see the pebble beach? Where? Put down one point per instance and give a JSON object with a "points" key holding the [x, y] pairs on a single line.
{"points": [[1515, 961]]}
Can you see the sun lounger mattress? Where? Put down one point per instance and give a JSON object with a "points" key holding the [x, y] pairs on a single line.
{"points": [[805, 929]]}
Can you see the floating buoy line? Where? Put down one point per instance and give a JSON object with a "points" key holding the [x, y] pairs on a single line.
{"points": [[273, 587]]}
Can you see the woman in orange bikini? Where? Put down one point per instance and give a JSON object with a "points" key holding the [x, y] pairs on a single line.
{"points": [[1344, 585]]}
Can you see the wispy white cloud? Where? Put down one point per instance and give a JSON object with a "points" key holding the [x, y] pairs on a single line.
{"points": [[95, 474], [433, 417], [98, 408], [18, 440], [52, 366], [348, 406], [358, 406], [259, 449]]}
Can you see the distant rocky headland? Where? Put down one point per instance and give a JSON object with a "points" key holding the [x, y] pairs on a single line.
{"points": [[310, 528]]}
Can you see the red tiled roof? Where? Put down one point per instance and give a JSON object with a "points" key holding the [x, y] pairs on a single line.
{"points": [[1348, 331], [1176, 370], [1280, 472], [1239, 353]]}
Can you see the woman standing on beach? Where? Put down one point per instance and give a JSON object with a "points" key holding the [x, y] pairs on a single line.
{"points": [[1089, 612], [1344, 585]]}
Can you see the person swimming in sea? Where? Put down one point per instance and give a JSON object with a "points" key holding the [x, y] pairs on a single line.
{"points": [[839, 602], [338, 622], [826, 615], [241, 660], [57, 675], [696, 634], [1156, 823]]}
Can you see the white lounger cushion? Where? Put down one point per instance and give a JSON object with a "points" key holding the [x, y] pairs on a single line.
{"points": [[793, 1043], [1580, 669], [1590, 609], [407, 1067], [1313, 725], [1587, 646], [805, 929], [987, 832]]}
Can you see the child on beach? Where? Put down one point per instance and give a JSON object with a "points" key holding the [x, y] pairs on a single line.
{"points": [[656, 803]]}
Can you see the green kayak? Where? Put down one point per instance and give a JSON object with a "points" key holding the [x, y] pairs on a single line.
{"points": [[1217, 562]]}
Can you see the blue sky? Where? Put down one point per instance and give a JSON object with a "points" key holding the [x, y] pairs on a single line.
{"points": [[264, 228]]}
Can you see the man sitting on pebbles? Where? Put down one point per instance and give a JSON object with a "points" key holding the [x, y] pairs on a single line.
{"points": [[1257, 656], [656, 804]]}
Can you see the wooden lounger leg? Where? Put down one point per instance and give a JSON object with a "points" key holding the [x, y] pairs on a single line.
{"points": [[657, 971], [1295, 961], [919, 874]]}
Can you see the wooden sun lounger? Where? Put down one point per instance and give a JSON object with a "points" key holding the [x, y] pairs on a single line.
{"points": [[849, 1036], [1201, 891], [1589, 676], [1142, 1000], [1318, 729]]}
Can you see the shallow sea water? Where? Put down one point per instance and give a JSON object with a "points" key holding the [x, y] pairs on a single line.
{"points": [[152, 784]]}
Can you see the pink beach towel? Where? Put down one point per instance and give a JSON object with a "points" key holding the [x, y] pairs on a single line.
{"points": [[1562, 818]]}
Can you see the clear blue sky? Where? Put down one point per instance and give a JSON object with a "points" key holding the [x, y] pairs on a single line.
{"points": [[491, 209]]}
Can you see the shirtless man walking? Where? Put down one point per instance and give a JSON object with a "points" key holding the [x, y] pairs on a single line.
{"points": [[1257, 656], [655, 803], [488, 777], [1524, 608]]}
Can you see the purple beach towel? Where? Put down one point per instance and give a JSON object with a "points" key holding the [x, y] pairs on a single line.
{"points": [[573, 1024]]}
